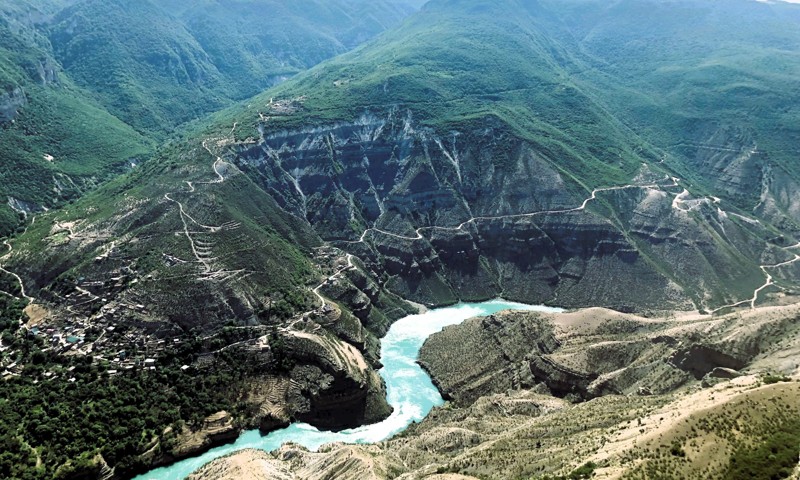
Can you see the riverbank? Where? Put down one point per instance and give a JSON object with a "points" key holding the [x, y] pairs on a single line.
{"points": [[409, 391], [595, 391]]}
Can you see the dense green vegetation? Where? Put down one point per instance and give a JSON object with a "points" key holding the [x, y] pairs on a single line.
{"points": [[583, 472], [774, 457], [60, 142], [771, 379], [52, 426], [152, 73], [177, 61], [87, 146], [691, 74]]}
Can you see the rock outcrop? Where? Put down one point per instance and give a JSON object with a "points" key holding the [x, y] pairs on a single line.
{"points": [[334, 387], [10, 103], [595, 352], [217, 429], [501, 364], [330, 385]]}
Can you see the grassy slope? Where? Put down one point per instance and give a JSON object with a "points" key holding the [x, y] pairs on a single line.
{"points": [[276, 251], [753, 435], [678, 72]]}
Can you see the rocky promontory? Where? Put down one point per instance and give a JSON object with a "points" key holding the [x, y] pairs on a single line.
{"points": [[594, 352]]}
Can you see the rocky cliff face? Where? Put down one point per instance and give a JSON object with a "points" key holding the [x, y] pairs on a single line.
{"points": [[595, 352], [390, 172], [322, 380], [476, 213], [338, 387], [46, 71], [216, 430], [10, 103]]}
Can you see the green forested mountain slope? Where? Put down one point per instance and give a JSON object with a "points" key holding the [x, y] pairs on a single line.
{"points": [[175, 62], [55, 140], [691, 74], [141, 63], [256, 44], [88, 87], [450, 65]]}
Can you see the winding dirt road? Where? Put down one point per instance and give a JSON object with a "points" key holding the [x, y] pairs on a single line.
{"points": [[678, 204], [198, 251], [2, 266], [19, 280], [472, 220], [769, 280]]}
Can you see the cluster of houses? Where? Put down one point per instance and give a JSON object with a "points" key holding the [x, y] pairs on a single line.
{"points": [[98, 338], [120, 351], [330, 260]]}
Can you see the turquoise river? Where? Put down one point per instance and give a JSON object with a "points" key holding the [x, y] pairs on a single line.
{"points": [[408, 388]]}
